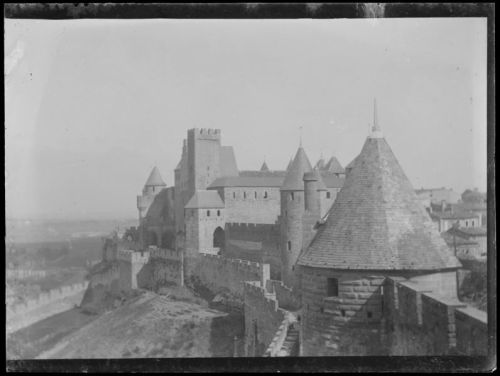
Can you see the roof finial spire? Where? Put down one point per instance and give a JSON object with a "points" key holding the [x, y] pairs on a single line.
{"points": [[300, 136], [376, 132]]}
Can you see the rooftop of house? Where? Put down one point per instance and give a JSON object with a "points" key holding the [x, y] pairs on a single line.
{"points": [[457, 240], [469, 231], [377, 222], [204, 199], [453, 214]]}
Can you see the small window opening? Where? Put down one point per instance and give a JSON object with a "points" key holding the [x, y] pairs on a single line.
{"points": [[255, 194], [218, 213], [291, 195], [265, 194], [342, 312], [289, 245], [369, 314], [208, 213], [327, 194], [321, 310], [234, 194], [244, 195], [332, 287], [466, 223]]}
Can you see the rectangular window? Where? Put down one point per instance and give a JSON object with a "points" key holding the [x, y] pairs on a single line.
{"points": [[332, 287]]}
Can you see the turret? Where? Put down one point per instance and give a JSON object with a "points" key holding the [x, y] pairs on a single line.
{"points": [[311, 192], [292, 211], [153, 186]]}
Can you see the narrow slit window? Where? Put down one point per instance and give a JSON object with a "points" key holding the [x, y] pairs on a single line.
{"points": [[218, 213], [234, 194], [265, 194], [255, 194], [289, 245], [244, 195], [291, 196], [208, 213], [328, 194], [332, 287]]}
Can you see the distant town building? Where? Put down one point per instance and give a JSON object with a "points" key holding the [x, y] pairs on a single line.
{"points": [[447, 216], [467, 242]]}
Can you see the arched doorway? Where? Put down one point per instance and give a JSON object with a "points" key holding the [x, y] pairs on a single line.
{"points": [[219, 238]]}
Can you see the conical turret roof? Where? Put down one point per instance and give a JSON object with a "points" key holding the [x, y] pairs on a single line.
{"points": [[321, 183], [155, 178], [334, 165], [377, 222], [264, 167], [295, 173], [320, 164]]}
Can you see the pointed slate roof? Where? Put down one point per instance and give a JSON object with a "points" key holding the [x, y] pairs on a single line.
{"points": [[203, 199], [320, 164], [334, 165], [295, 173], [264, 167], [155, 178], [377, 222], [321, 183], [289, 165], [228, 165]]}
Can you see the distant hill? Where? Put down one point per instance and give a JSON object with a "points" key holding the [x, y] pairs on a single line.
{"points": [[31, 231]]}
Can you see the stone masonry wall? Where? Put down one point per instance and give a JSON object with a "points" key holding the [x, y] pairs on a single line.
{"points": [[223, 274], [254, 242], [347, 324], [250, 204], [45, 305], [263, 319], [421, 322]]}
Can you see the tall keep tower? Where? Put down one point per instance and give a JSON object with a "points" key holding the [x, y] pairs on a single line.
{"points": [[292, 211]]}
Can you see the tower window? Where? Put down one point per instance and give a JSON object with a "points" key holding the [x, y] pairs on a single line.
{"points": [[342, 312], [332, 287], [218, 213], [327, 194], [369, 314], [244, 195], [289, 245], [234, 194], [291, 195], [208, 213], [265, 194], [466, 223], [255, 194]]}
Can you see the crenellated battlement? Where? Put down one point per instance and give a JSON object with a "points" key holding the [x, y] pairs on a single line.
{"points": [[205, 133], [132, 256], [165, 254], [251, 227]]}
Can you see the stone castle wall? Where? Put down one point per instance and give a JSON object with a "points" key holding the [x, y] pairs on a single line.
{"points": [[221, 274], [45, 305], [420, 322], [264, 321], [254, 242], [250, 204]]}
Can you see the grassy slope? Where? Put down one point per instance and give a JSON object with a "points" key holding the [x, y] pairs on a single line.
{"points": [[152, 325]]}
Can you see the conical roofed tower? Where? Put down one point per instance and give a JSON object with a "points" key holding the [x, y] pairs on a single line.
{"points": [[376, 228], [155, 179], [377, 221], [264, 167]]}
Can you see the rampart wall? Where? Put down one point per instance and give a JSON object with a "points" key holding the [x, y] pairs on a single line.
{"points": [[220, 274], [252, 204], [255, 242], [285, 296], [265, 322], [22, 273], [420, 322], [45, 305]]}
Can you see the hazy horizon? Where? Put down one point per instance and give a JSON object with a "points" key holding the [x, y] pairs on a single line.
{"points": [[93, 105]]}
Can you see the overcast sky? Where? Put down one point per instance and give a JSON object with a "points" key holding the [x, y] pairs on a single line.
{"points": [[93, 105]]}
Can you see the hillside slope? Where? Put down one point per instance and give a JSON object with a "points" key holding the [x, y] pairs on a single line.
{"points": [[152, 325]]}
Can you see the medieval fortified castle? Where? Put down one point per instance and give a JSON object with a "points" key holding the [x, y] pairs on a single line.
{"points": [[323, 260]]}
